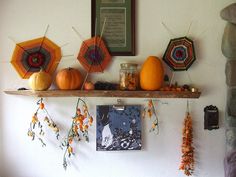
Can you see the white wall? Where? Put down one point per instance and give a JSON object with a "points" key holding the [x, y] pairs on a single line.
{"points": [[160, 157]]}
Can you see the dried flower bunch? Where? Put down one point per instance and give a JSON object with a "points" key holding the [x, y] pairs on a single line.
{"points": [[150, 111], [37, 126], [79, 128], [187, 162]]}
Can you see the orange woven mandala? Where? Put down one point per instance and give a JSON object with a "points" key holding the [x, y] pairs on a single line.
{"points": [[30, 56], [94, 55]]}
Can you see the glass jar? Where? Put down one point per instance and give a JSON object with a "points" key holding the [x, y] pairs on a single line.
{"points": [[128, 76]]}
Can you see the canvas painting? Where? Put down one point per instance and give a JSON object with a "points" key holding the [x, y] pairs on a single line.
{"points": [[118, 129]]}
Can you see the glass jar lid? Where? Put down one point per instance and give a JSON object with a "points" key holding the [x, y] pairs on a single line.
{"points": [[128, 65]]}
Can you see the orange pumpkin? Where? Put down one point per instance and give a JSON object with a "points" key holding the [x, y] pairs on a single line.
{"points": [[69, 79], [151, 74], [40, 81]]}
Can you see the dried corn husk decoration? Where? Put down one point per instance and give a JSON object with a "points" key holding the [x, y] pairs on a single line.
{"points": [[187, 162]]}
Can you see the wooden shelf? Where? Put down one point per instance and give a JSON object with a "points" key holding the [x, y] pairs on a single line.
{"points": [[105, 93]]}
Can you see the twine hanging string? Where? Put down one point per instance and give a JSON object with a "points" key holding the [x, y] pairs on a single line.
{"points": [[187, 108]]}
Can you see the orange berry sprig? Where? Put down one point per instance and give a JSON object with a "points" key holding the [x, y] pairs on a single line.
{"points": [[36, 124], [150, 112], [79, 128], [187, 162]]}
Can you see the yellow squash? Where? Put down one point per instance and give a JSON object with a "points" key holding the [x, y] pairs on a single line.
{"points": [[40, 81], [151, 74]]}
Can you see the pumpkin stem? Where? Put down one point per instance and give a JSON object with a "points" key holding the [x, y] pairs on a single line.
{"points": [[41, 68]]}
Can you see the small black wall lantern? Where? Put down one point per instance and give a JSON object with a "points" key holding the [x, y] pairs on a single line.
{"points": [[211, 117]]}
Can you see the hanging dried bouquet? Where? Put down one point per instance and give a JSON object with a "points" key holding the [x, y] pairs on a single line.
{"points": [[150, 112], [81, 121], [36, 129], [187, 161]]}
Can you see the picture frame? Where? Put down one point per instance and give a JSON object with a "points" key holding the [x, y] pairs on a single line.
{"points": [[114, 21], [118, 127]]}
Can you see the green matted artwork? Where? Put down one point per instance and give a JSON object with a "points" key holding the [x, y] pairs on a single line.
{"points": [[114, 20]]}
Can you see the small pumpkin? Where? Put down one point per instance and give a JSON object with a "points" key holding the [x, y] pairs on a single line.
{"points": [[69, 79], [40, 81], [151, 74]]}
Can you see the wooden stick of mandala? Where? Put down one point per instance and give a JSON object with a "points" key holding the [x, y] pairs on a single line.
{"points": [[172, 78]]}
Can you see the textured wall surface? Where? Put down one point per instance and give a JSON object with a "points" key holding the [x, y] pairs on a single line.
{"points": [[160, 157], [228, 47]]}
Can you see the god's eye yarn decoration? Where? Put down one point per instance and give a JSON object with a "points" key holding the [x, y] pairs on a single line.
{"points": [[79, 128], [180, 54], [150, 112], [30, 56], [187, 162], [36, 126]]}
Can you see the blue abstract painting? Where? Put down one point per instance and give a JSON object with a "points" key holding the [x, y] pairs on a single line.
{"points": [[118, 129]]}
